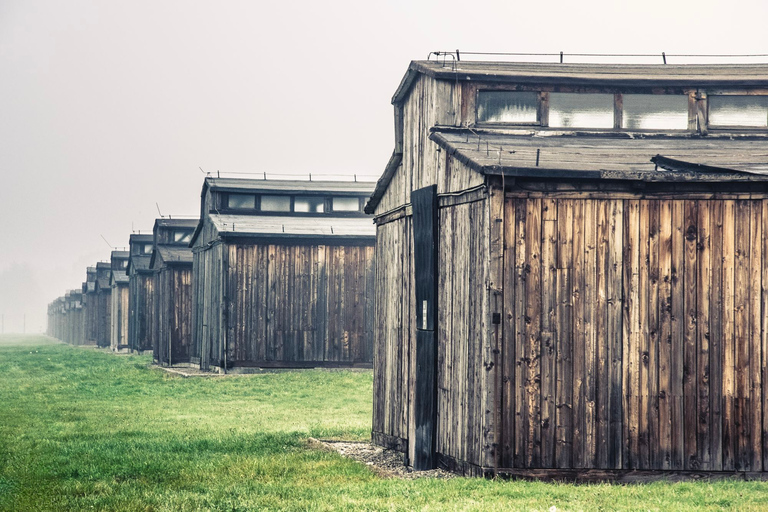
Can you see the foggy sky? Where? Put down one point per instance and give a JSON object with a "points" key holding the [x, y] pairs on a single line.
{"points": [[107, 107]]}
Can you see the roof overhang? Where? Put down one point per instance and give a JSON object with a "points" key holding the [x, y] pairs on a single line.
{"points": [[652, 159]]}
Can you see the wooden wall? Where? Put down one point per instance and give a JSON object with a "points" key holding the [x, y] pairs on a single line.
{"points": [[430, 102], [207, 315], [140, 311], [635, 334], [173, 314], [288, 305], [90, 322], [103, 317], [394, 334], [119, 317]]}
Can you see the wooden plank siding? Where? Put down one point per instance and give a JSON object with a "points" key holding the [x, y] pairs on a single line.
{"points": [[283, 305], [633, 336], [104, 317], [140, 311], [173, 315], [119, 317], [90, 317], [394, 350]]}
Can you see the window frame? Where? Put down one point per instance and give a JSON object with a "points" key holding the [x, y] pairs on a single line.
{"points": [[618, 95], [739, 128], [184, 232]]}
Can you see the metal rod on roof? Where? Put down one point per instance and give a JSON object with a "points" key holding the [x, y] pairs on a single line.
{"points": [[355, 175], [538, 152], [265, 176], [664, 57], [561, 57], [218, 174], [310, 176], [458, 55], [105, 240], [158, 209], [201, 169]]}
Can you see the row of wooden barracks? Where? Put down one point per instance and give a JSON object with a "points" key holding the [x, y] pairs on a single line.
{"points": [[273, 274], [570, 280]]}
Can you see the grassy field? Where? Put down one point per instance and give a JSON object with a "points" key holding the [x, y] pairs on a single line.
{"points": [[82, 429]]}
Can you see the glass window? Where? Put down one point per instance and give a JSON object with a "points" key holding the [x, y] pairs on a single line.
{"points": [[738, 111], [182, 237], [507, 107], [124, 264], [275, 203], [655, 112], [346, 204], [147, 249], [575, 110], [309, 204], [241, 201]]}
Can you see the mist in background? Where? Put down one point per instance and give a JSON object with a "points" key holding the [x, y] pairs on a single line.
{"points": [[108, 109]]}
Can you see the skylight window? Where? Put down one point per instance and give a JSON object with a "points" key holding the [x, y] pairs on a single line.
{"points": [[575, 110], [182, 237], [309, 204], [275, 203], [241, 201], [346, 204], [746, 111], [655, 112], [507, 107]]}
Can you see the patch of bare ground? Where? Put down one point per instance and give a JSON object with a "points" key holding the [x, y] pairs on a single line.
{"points": [[385, 463], [187, 371]]}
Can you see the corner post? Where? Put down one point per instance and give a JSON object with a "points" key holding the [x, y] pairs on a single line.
{"points": [[425, 220]]}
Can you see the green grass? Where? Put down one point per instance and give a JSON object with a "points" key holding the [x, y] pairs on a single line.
{"points": [[82, 429]]}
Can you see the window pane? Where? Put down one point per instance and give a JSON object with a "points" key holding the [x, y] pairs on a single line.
{"points": [[655, 112], [182, 236], [241, 201], [275, 203], [346, 204], [738, 111], [310, 204], [148, 249], [574, 110], [507, 107]]}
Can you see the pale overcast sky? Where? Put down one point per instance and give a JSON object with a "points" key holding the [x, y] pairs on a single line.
{"points": [[108, 107]]}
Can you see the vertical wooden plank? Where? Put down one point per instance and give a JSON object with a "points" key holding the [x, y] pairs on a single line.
{"points": [[690, 336], [716, 335], [665, 338], [564, 329], [632, 391], [522, 418], [491, 385], [703, 289], [548, 329], [754, 354], [741, 336], [590, 335], [445, 292], [508, 346], [642, 331], [678, 329], [728, 342], [614, 330], [533, 329], [580, 459], [602, 353]]}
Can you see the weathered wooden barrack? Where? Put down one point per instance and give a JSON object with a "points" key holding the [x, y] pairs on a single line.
{"points": [[562, 297]]}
